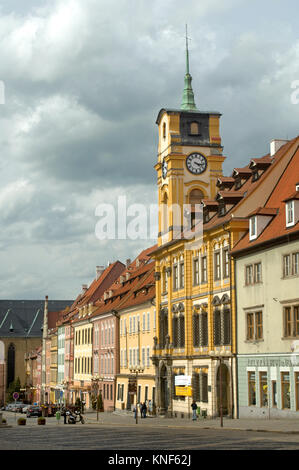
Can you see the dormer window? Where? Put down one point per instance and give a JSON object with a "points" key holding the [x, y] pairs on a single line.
{"points": [[221, 208], [252, 228], [290, 213], [255, 175], [238, 183]]}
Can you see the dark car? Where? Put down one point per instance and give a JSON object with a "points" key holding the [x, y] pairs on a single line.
{"points": [[34, 411]]}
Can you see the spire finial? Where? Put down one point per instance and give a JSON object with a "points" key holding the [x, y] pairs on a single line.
{"points": [[187, 51], [188, 96]]}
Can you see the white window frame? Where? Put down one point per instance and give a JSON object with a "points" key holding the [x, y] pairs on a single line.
{"points": [[253, 228], [290, 210]]}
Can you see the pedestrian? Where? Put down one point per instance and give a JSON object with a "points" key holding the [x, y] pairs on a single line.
{"points": [[194, 408], [63, 412], [150, 407], [144, 410]]}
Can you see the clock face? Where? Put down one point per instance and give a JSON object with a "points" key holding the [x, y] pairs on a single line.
{"points": [[196, 163], [164, 169]]}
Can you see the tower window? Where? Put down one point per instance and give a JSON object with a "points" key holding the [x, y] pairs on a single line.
{"points": [[164, 130], [194, 128]]}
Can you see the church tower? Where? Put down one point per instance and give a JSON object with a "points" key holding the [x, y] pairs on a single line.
{"points": [[189, 159]]}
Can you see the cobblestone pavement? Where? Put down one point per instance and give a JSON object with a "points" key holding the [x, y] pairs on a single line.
{"points": [[120, 432]]}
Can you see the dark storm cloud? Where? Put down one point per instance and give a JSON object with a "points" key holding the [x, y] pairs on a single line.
{"points": [[84, 83]]}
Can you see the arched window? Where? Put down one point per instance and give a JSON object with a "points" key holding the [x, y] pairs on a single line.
{"points": [[11, 364], [164, 130], [195, 197], [194, 128], [165, 213]]}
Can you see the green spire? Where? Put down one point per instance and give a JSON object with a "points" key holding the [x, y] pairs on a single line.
{"points": [[188, 95]]}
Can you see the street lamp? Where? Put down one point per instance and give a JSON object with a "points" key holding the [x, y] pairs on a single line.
{"points": [[220, 355], [136, 370]]}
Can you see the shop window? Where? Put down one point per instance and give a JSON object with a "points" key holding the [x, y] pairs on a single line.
{"points": [[251, 389], [285, 390]]}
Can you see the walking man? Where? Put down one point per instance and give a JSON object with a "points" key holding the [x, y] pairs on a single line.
{"points": [[194, 408]]}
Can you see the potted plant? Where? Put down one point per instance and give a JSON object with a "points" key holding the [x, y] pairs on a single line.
{"points": [[41, 420], [4, 421], [21, 421]]}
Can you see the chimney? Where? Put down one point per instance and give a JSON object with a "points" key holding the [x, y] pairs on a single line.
{"points": [[275, 145], [99, 271], [84, 288], [128, 262]]}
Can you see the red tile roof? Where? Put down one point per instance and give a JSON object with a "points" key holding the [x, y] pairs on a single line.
{"points": [[283, 191]]}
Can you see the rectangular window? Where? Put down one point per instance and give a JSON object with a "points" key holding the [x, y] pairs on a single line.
{"points": [[250, 326], [195, 272], [258, 272], [143, 357], [146, 393], [249, 275], [254, 326], [175, 277], [290, 213], [295, 264], [259, 325], [263, 389], [285, 390], [251, 389], [225, 263], [143, 322], [217, 273], [287, 321], [165, 281], [204, 277], [148, 356], [252, 228], [286, 265], [182, 275]]}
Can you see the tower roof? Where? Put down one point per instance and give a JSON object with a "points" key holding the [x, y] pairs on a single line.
{"points": [[188, 101]]}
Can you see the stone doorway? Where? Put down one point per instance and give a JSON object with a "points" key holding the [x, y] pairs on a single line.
{"points": [[225, 386]]}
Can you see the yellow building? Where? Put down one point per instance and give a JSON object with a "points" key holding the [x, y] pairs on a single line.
{"points": [[195, 318], [83, 340], [136, 380]]}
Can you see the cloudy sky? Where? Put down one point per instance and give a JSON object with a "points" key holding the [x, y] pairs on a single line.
{"points": [[84, 81]]}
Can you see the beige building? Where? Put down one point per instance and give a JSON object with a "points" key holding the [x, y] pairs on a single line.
{"points": [[267, 277]]}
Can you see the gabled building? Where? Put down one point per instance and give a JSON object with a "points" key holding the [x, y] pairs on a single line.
{"points": [[106, 326], [267, 296], [79, 335], [137, 328], [21, 329]]}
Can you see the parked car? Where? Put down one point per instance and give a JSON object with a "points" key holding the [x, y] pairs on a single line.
{"points": [[20, 408], [33, 411], [13, 406]]}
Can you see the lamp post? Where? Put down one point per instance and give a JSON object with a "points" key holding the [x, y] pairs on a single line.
{"points": [[220, 356], [136, 370], [96, 378]]}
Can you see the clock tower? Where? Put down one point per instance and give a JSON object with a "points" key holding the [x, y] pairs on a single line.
{"points": [[189, 159]]}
